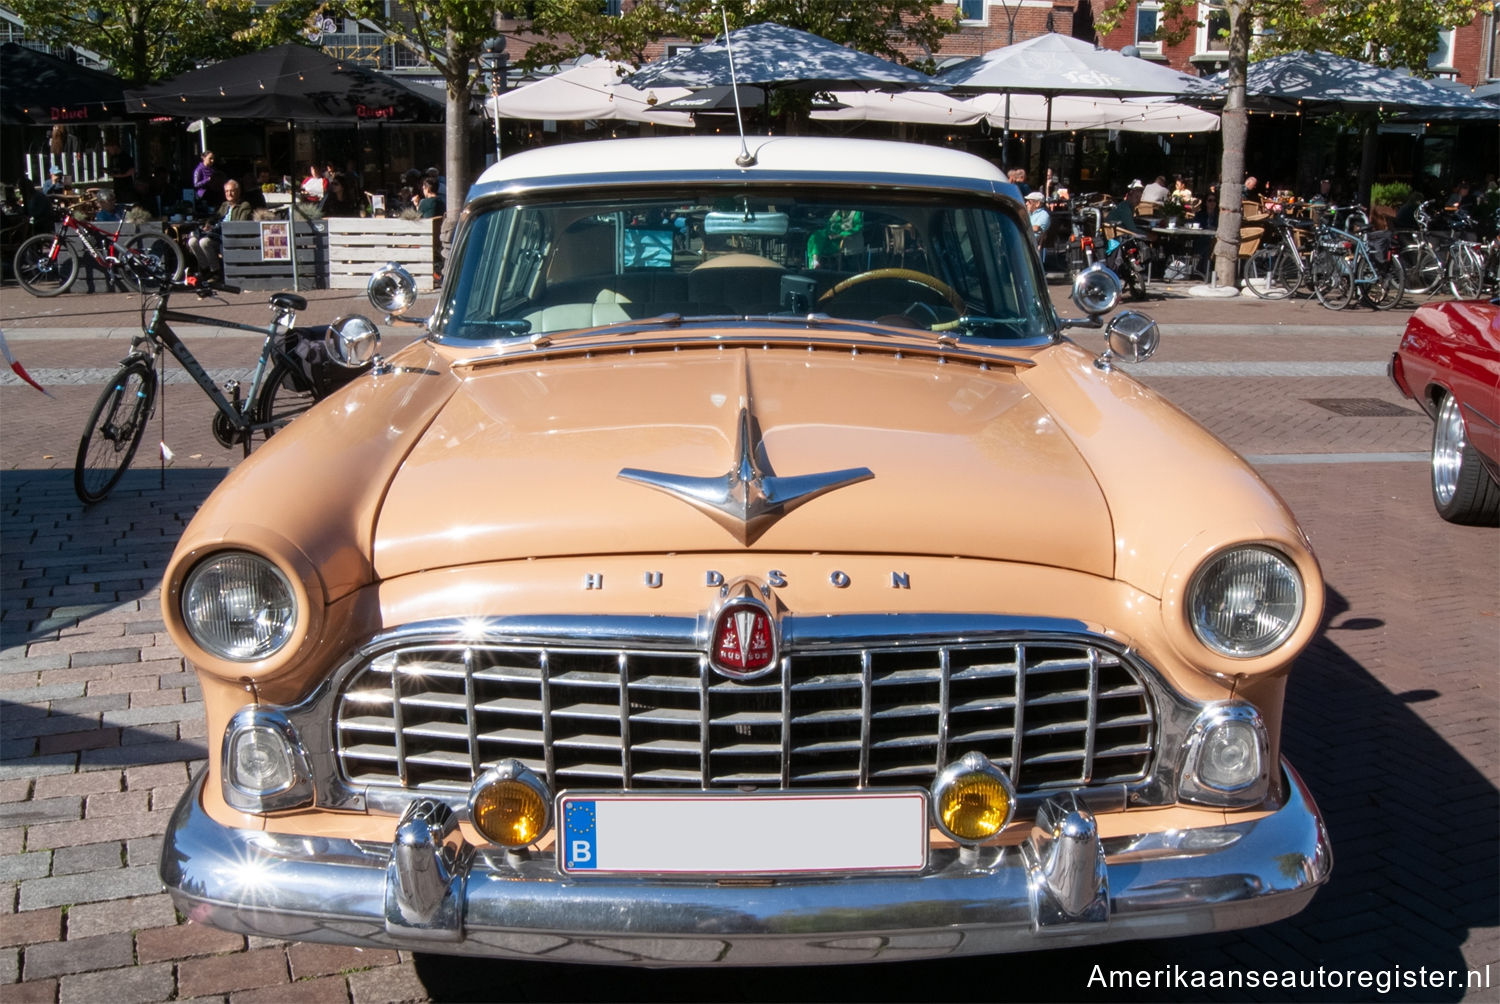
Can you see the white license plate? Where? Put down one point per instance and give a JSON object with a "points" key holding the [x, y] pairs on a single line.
{"points": [[742, 834]]}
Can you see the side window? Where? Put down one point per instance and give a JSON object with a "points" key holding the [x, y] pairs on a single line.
{"points": [[1147, 27], [1213, 35], [528, 246]]}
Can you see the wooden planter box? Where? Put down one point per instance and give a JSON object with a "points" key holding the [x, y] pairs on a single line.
{"points": [[256, 255], [357, 247]]}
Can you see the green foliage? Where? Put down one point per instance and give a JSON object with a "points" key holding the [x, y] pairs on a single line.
{"points": [[144, 40], [1394, 33], [1389, 193], [575, 27]]}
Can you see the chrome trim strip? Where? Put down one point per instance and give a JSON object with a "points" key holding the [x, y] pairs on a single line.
{"points": [[917, 184], [1238, 874]]}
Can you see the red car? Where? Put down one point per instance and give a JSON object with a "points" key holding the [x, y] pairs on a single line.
{"points": [[1449, 363]]}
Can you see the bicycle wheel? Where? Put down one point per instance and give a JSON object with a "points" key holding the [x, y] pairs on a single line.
{"points": [[1389, 285], [1423, 267], [160, 257], [1465, 272], [1273, 273], [114, 431], [1332, 279], [45, 265], [284, 396]]}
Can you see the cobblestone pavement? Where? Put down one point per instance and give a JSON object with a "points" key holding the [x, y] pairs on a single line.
{"points": [[1392, 713]]}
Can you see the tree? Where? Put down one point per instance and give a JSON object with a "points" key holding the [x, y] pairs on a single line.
{"points": [[1393, 33], [576, 27], [143, 40]]}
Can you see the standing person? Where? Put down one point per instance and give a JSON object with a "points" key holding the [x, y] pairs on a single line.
{"points": [[121, 171], [1041, 220], [208, 183], [207, 243]]}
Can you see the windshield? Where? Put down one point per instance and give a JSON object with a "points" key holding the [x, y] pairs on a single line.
{"points": [[937, 262]]}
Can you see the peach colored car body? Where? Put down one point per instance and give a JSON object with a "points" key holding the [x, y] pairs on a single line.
{"points": [[468, 482]]}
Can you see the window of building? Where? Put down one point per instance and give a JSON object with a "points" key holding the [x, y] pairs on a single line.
{"points": [[975, 11], [1494, 65], [1213, 32], [1441, 60], [1148, 27]]}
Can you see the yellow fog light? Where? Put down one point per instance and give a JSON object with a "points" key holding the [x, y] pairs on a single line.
{"points": [[972, 800], [510, 805]]}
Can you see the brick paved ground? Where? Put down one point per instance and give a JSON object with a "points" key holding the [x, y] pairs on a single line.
{"points": [[1392, 713]]}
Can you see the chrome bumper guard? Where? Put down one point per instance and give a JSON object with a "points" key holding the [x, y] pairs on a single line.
{"points": [[430, 890]]}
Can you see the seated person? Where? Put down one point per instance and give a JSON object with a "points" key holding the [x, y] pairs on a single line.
{"points": [[831, 239], [342, 198], [206, 243], [429, 205], [1041, 220], [1123, 213]]}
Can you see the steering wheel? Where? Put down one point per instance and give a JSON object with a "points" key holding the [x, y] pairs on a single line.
{"points": [[932, 282]]}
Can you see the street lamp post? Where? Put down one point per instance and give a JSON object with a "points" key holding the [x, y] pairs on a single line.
{"points": [[496, 64]]}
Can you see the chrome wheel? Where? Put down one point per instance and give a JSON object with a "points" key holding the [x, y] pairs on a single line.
{"points": [[1462, 490]]}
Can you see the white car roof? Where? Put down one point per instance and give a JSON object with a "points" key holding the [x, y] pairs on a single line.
{"points": [[701, 155]]}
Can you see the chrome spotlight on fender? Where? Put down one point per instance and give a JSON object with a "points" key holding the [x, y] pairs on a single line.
{"points": [[392, 289], [1096, 291], [1131, 338], [353, 340]]}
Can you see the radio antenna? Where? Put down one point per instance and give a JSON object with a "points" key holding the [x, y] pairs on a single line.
{"points": [[746, 158]]}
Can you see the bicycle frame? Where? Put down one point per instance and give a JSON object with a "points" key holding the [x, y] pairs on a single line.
{"points": [[159, 332]]}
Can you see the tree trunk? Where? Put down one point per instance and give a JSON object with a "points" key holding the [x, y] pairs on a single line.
{"points": [[456, 139], [1232, 128]]}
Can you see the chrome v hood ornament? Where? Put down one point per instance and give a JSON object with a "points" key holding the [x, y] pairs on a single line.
{"points": [[748, 499]]}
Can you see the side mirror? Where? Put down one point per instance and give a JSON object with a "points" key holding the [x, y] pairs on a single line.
{"points": [[392, 289], [353, 340]]}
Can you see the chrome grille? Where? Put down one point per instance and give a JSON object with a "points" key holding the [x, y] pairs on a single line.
{"points": [[1054, 713]]}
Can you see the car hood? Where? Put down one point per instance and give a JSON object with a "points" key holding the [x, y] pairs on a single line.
{"points": [[911, 453]]}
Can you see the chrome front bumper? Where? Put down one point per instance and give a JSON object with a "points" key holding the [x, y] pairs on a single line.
{"points": [[430, 891]]}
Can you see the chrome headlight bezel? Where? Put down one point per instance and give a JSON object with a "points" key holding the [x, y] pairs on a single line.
{"points": [[1233, 719], [1199, 605], [221, 644], [271, 727]]}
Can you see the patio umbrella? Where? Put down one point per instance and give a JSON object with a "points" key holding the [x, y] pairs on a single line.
{"points": [[1052, 65], [1078, 113], [589, 90], [773, 55], [921, 107], [39, 89], [1320, 82], [291, 82], [718, 99]]}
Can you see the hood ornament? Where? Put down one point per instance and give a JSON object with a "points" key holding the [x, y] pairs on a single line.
{"points": [[749, 498]]}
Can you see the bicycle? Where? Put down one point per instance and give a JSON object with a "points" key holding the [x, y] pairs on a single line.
{"points": [[1345, 264], [1422, 255], [1277, 268], [1473, 265], [47, 263], [291, 374]]}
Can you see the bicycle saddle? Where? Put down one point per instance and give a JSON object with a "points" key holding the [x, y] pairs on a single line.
{"points": [[288, 301]]}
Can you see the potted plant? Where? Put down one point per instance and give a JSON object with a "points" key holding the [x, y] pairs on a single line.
{"points": [[1386, 197]]}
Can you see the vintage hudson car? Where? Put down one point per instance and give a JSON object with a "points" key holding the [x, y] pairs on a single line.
{"points": [[747, 568], [1449, 363]]}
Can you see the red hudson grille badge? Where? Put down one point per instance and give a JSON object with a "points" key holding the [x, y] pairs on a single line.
{"points": [[743, 643]]}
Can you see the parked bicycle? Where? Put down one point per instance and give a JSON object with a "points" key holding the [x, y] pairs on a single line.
{"points": [[1346, 266], [1473, 267], [1278, 268], [296, 368], [47, 264]]}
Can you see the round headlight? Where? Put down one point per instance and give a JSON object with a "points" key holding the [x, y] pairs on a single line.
{"points": [[510, 805], [1246, 601], [972, 800], [239, 606]]}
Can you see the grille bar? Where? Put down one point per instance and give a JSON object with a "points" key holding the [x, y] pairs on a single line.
{"points": [[1052, 713]]}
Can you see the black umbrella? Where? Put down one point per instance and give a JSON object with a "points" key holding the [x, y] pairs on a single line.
{"points": [[39, 89], [715, 99], [291, 82], [1320, 82], [773, 55]]}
